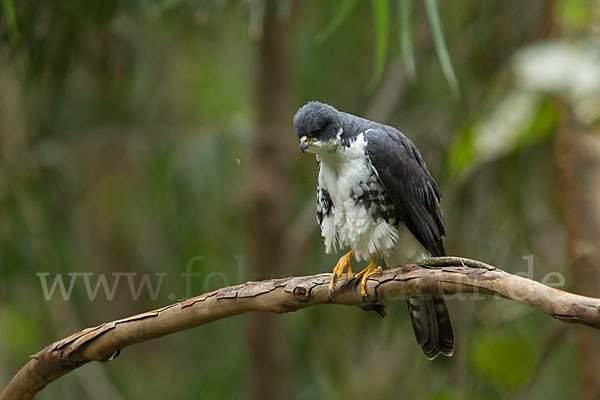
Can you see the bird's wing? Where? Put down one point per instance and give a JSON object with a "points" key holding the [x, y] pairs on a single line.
{"points": [[416, 196], [411, 187]]}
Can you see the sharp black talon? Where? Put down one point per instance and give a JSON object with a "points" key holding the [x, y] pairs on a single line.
{"points": [[351, 283], [364, 298], [329, 294]]}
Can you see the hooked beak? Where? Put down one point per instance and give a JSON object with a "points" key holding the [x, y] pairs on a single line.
{"points": [[304, 143]]}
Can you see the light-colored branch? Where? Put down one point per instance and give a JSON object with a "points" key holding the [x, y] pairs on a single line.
{"points": [[448, 275]]}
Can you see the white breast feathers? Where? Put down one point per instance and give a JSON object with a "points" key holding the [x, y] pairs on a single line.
{"points": [[361, 215]]}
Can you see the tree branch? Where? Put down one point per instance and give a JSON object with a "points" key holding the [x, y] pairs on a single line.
{"points": [[447, 275]]}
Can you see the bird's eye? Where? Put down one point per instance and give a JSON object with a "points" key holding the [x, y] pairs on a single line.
{"points": [[316, 132]]}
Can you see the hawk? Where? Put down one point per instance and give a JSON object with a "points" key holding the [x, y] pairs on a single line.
{"points": [[372, 182]]}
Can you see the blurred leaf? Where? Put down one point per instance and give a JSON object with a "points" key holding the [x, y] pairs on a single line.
{"points": [[10, 20], [440, 46], [340, 16], [568, 70], [449, 394], [446, 395], [544, 123], [18, 332], [406, 39], [517, 119], [505, 358], [498, 132], [380, 15], [575, 14], [462, 152]]}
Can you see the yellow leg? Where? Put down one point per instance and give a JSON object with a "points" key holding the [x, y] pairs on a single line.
{"points": [[363, 275], [342, 264]]}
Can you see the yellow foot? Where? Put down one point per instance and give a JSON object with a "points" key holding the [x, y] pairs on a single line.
{"points": [[342, 264], [363, 275]]}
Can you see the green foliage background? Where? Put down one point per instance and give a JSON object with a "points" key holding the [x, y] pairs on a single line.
{"points": [[125, 134]]}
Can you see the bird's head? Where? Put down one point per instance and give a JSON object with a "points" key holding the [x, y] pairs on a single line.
{"points": [[317, 126]]}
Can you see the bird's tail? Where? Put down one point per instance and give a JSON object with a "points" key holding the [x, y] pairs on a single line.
{"points": [[431, 323]]}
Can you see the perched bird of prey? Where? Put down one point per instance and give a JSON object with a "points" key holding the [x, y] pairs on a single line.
{"points": [[372, 182]]}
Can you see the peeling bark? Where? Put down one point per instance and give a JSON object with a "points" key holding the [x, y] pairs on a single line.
{"points": [[446, 275]]}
